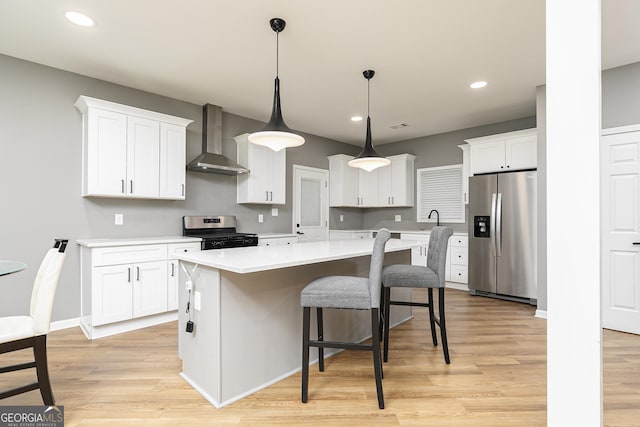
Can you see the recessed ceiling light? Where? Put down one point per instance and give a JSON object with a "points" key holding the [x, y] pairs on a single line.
{"points": [[79, 19], [356, 118], [477, 85]]}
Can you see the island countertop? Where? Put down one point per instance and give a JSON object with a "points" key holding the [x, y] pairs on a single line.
{"points": [[262, 258]]}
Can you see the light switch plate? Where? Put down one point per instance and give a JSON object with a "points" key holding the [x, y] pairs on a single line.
{"points": [[274, 211], [119, 219], [260, 218], [398, 218]]}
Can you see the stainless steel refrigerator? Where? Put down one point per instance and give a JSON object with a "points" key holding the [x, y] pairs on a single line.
{"points": [[502, 235]]}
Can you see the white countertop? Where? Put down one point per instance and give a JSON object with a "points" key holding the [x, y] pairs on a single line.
{"points": [[261, 258], [105, 243]]}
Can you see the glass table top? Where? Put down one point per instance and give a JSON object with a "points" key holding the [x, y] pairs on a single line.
{"points": [[8, 267]]}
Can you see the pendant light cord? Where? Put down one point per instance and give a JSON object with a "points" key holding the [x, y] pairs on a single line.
{"points": [[368, 95], [277, 51]]}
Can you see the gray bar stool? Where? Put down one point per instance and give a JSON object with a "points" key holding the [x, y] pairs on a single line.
{"points": [[359, 293], [417, 276]]}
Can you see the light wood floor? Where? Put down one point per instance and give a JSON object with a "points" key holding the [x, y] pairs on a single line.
{"points": [[497, 377]]}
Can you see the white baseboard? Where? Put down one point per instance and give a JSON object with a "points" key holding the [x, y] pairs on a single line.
{"points": [[541, 314], [64, 324], [95, 332], [459, 286]]}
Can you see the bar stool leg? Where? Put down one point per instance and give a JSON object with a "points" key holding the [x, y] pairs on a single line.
{"points": [[387, 315], [432, 317], [319, 321], [42, 370], [377, 362], [306, 320], [443, 325]]}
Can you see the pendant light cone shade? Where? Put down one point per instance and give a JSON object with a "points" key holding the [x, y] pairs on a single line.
{"points": [[276, 134], [368, 159]]}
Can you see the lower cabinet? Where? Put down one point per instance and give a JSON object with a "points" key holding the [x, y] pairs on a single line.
{"points": [[126, 287], [349, 235], [277, 240]]}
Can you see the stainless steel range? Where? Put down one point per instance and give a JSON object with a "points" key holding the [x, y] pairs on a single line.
{"points": [[217, 232]]}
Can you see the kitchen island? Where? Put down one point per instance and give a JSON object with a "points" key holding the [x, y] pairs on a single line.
{"points": [[246, 314]]}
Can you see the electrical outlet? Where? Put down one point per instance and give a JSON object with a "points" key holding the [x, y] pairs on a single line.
{"points": [[260, 218], [119, 219], [274, 211], [341, 218], [398, 218]]}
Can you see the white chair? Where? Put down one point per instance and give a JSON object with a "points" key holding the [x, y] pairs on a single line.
{"points": [[20, 332]]}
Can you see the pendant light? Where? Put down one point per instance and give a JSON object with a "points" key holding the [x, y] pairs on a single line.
{"points": [[368, 159], [276, 134]]}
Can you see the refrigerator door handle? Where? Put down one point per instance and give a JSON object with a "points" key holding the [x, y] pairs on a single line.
{"points": [[492, 225], [498, 235]]}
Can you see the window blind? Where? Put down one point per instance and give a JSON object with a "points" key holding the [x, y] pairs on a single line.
{"points": [[440, 188]]}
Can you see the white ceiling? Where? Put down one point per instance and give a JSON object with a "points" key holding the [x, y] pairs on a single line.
{"points": [[425, 54]]}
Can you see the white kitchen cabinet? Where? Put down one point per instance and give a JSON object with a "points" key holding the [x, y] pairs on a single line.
{"points": [[173, 265], [128, 284], [129, 152], [504, 152], [343, 182], [458, 258], [395, 181], [266, 183], [349, 235], [276, 240], [368, 187], [387, 186], [466, 171], [173, 145]]}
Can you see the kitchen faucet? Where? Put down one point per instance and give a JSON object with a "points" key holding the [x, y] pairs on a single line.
{"points": [[437, 216]]}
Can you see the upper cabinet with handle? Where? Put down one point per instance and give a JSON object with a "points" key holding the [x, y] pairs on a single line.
{"points": [[388, 186], [266, 183], [504, 152], [132, 153]]}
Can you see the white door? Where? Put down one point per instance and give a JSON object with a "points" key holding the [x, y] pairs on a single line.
{"points": [[620, 219], [310, 203]]}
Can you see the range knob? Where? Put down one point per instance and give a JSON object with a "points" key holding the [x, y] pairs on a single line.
{"points": [[247, 242], [218, 244]]}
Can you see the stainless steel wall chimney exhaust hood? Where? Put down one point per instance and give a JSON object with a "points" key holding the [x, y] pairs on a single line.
{"points": [[211, 160]]}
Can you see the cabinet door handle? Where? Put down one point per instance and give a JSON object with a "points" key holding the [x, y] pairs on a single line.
{"points": [[636, 243], [392, 201], [122, 186], [131, 186], [173, 273], [128, 274], [137, 274], [271, 194], [266, 196], [182, 189]]}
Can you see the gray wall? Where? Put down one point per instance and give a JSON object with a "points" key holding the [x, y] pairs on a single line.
{"points": [[430, 151], [621, 96], [40, 174]]}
